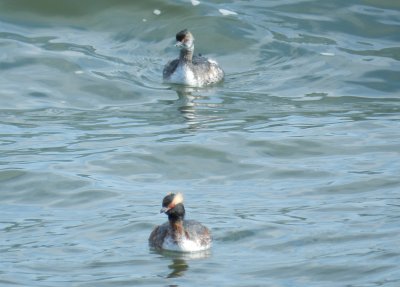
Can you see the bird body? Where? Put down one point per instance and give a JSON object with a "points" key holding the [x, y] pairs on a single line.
{"points": [[179, 234], [190, 236], [189, 69]]}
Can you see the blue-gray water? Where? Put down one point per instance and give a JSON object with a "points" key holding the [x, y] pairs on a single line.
{"points": [[293, 162]]}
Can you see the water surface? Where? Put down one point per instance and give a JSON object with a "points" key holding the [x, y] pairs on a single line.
{"points": [[292, 162]]}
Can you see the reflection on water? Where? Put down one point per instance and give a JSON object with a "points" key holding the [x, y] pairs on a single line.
{"points": [[190, 104], [187, 102], [180, 261], [178, 267]]}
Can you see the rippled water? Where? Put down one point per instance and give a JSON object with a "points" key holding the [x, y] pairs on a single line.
{"points": [[292, 162]]}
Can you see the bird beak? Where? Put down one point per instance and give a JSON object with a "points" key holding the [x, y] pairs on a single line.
{"points": [[178, 44], [164, 209]]}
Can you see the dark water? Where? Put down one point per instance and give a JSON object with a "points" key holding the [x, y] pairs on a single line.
{"points": [[293, 162]]}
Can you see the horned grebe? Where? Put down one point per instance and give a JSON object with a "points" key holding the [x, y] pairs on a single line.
{"points": [[190, 70], [179, 234]]}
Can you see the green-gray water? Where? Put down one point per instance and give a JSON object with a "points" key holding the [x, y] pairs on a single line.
{"points": [[293, 162]]}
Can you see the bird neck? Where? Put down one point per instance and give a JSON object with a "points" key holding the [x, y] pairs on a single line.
{"points": [[175, 218], [177, 227], [186, 55]]}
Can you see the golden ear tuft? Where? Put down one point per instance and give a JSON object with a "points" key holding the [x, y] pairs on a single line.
{"points": [[178, 198]]}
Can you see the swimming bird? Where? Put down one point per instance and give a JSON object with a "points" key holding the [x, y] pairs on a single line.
{"points": [[179, 234], [189, 69]]}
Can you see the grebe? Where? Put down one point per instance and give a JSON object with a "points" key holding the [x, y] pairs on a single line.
{"points": [[179, 234], [190, 70]]}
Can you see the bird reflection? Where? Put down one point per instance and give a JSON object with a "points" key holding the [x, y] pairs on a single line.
{"points": [[178, 267], [179, 261], [186, 102], [192, 106]]}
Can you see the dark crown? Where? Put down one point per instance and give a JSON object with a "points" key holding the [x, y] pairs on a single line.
{"points": [[181, 35]]}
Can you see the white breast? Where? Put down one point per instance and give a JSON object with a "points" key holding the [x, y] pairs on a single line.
{"points": [[183, 75], [183, 245]]}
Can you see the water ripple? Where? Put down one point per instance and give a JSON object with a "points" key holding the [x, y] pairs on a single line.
{"points": [[292, 162]]}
